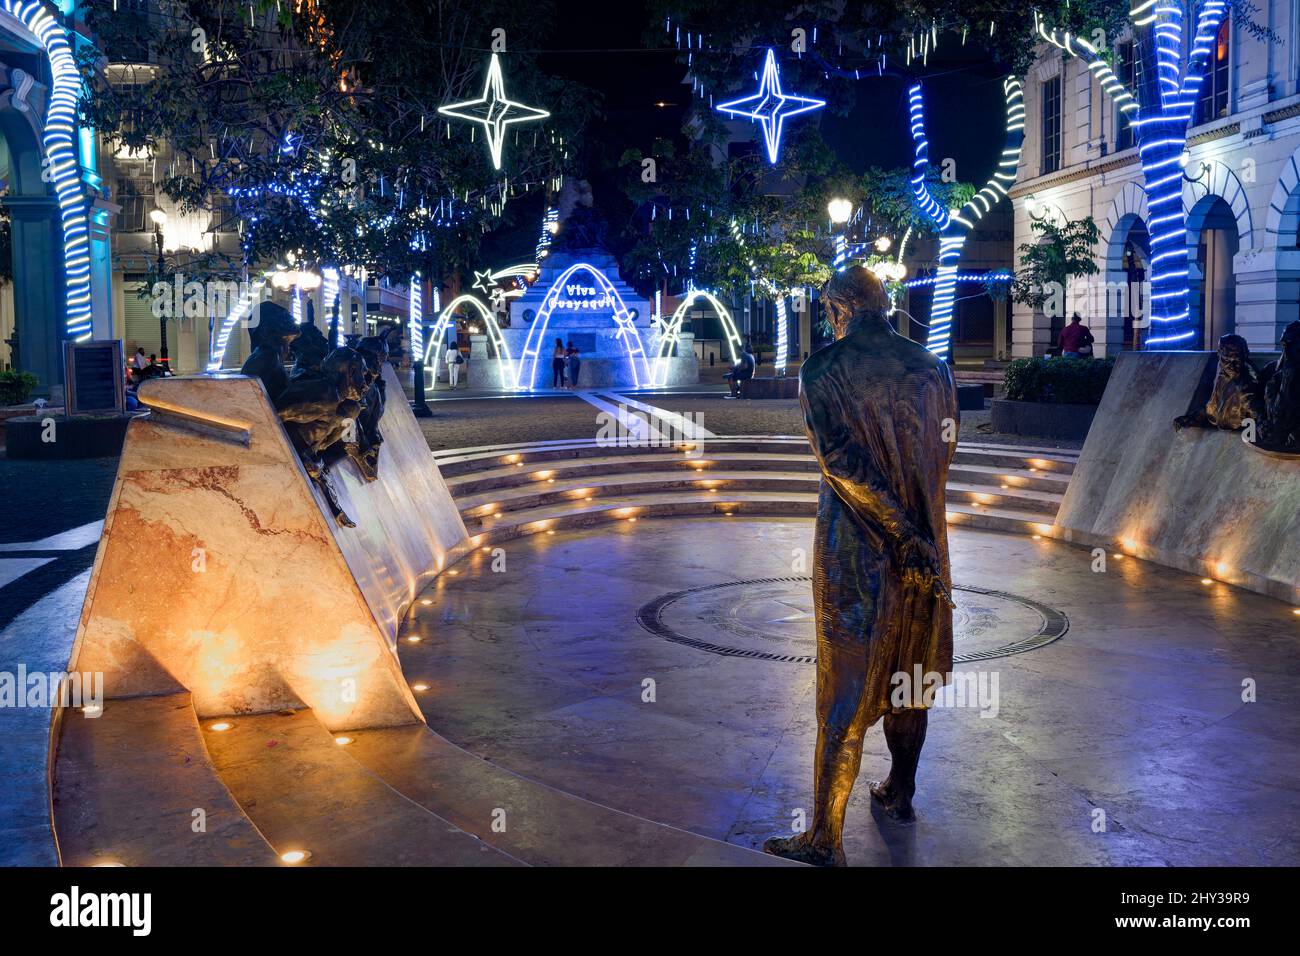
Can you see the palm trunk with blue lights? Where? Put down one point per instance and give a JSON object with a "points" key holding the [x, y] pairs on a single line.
{"points": [[954, 226], [1160, 112]]}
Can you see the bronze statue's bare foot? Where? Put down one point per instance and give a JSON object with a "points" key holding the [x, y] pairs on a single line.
{"points": [[893, 801], [802, 849]]}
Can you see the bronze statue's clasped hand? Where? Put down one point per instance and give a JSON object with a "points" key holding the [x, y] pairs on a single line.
{"points": [[918, 561]]}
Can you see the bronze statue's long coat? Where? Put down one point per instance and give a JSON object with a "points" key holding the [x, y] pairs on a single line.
{"points": [[875, 406]]}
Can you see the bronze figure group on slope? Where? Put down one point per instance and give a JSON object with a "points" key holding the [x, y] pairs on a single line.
{"points": [[1269, 398], [330, 402]]}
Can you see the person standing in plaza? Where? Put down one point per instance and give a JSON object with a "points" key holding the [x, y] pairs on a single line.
{"points": [[454, 362], [557, 365], [575, 364]]}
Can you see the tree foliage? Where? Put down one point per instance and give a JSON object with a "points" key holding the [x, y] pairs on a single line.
{"points": [[315, 124], [1059, 252]]}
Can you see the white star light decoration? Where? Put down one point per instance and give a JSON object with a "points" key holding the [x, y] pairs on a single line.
{"points": [[484, 281], [771, 107], [493, 111]]}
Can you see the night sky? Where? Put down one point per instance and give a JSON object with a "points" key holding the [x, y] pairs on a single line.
{"points": [[963, 94], [602, 46]]}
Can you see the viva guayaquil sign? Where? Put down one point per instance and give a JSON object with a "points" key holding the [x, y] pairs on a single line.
{"points": [[574, 297]]}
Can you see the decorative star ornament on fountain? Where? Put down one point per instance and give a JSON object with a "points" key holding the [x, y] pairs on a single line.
{"points": [[493, 111], [484, 281], [771, 107]]}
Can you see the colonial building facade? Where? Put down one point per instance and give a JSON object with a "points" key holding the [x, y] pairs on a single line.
{"points": [[1241, 190]]}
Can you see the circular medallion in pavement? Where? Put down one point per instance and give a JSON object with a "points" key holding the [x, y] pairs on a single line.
{"points": [[772, 619]]}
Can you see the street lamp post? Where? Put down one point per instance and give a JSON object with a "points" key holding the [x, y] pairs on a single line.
{"points": [[159, 218]]}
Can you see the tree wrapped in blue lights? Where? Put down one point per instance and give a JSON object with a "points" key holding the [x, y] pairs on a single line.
{"points": [[1160, 111], [954, 226]]}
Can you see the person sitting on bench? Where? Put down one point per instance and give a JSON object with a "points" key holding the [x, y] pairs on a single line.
{"points": [[741, 371]]}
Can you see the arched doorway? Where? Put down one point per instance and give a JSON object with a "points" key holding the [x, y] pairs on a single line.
{"points": [[1128, 263], [1212, 243], [1135, 262]]}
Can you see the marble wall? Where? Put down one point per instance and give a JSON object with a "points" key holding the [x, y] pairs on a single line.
{"points": [[1196, 499], [220, 572]]}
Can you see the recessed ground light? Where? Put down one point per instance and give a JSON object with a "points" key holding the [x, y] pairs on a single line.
{"points": [[1004, 487], [221, 726], [519, 464], [92, 710], [487, 548], [343, 741], [1118, 557], [113, 863], [586, 499], [426, 601], [294, 857], [1207, 580], [419, 688], [1038, 537], [413, 639], [1296, 612], [453, 572], [550, 532], [631, 519]]}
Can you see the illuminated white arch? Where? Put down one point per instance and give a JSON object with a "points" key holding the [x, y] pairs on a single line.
{"points": [[627, 330], [494, 333], [243, 308], [672, 332]]}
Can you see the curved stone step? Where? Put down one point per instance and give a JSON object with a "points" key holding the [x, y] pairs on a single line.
{"points": [[1050, 481], [734, 471], [624, 484], [135, 786], [484, 511], [459, 461], [481, 481], [455, 464], [551, 518], [1012, 499], [303, 792], [535, 823]]}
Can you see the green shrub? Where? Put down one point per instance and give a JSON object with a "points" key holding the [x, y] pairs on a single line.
{"points": [[15, 387], [1064, 381]]}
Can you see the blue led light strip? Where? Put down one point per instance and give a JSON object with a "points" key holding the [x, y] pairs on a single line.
{"points": [[330, 296], [59, 141], [416, 322], [1160, 128], [954, 227], [782, 337], [921, 163], [961, 277]]}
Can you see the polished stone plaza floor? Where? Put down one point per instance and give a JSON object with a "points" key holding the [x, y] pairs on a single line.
{"points": [[662, 667]]}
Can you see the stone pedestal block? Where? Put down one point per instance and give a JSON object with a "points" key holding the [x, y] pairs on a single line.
{"points": [[1196, 499], [220, 571]]}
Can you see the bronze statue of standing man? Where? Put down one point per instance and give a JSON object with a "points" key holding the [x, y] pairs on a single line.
{"points": [[881, 413]]}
